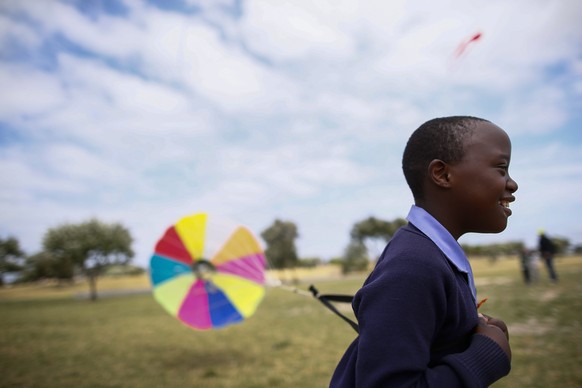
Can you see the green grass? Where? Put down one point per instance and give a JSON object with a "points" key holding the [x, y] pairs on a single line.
{"points": [[292, 341]]}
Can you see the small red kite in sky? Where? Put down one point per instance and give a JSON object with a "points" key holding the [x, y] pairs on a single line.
{"points": [[463, 46]]}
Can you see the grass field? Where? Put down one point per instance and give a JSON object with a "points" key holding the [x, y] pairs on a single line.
{"points": [[50, 338]]}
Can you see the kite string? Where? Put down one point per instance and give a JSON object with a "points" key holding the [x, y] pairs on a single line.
{"points": [[292, 289], [275, 281]]}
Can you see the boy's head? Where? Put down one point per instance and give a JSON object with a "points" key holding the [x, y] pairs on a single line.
{"points": [[440, 138], [458, 170]]}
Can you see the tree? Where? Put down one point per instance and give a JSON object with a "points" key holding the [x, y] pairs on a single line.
{"points": [[375, 233], [10, 256], [368, 238], [91, 246], [355, 257], [562, 245], [309, 262], [280, 239], [44, 265]]}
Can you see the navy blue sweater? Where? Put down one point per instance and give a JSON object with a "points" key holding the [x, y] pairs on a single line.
{"points": [[417, 319]]}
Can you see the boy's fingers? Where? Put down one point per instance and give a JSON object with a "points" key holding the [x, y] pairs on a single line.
{"points": [[495, 322], [500, 324]]}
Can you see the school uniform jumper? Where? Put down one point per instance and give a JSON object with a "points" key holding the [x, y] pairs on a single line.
{"points": [[417, 315]]}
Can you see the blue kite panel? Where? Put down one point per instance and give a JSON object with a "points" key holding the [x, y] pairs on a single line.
{"points": [[163, 269], [222, 312]]}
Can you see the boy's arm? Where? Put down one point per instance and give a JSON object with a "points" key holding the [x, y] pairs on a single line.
{"points": [[487, 359], [399, 313]]}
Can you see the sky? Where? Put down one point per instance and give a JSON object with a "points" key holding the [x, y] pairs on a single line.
{"points": [[142, 113]]}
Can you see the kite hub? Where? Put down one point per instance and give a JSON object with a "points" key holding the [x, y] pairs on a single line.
{"points": [[203, 269]]}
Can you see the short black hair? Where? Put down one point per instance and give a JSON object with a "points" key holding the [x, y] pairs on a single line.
{"points": [[441, 138]]}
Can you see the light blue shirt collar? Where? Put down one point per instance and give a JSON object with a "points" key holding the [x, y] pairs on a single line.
{"points": [[433, 229]]}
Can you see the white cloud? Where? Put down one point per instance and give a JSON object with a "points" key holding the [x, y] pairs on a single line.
{"points": [[11, 31], [285, 31], [543, 110], [228, 77], [122, 91], [32, 92], [111, 36]]}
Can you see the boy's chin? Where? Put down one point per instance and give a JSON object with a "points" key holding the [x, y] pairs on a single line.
{"points": [[492, 229], [498, 230]]}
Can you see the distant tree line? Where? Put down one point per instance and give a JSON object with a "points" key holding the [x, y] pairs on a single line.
{"points": [[494, 250], [92, 247], [514, 248], [368, 238]]}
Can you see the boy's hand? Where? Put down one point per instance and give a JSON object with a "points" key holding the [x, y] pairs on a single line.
{"points": [[496, 322], [495, 329]]}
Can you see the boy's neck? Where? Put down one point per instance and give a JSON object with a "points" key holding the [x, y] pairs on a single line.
{"points": [[442, 214]]}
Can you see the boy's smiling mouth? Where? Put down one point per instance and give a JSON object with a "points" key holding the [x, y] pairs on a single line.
{"points": [[504, 203]]}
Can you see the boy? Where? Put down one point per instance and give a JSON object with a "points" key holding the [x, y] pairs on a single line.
{"points": [[417, 313]]}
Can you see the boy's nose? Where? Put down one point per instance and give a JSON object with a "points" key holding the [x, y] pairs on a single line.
{"points": [[511, 185]]}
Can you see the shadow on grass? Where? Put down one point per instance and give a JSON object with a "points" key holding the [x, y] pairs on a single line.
{"points": [[207, 361]]}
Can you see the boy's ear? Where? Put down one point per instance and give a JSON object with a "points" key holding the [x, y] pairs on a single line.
{"points": [[439, 173]]}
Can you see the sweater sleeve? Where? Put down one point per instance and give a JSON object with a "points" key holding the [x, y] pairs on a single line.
{"points": [[400, 311], [483, 363]]}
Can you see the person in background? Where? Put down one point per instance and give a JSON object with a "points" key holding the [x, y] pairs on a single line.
{"points": [[547, 251], [525, 260]]}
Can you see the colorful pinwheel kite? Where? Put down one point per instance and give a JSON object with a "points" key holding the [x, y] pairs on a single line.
{"points": [[208, 273]]}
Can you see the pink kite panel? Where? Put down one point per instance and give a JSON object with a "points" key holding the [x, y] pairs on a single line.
{"points": [[195, 309], [250, 267]]}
